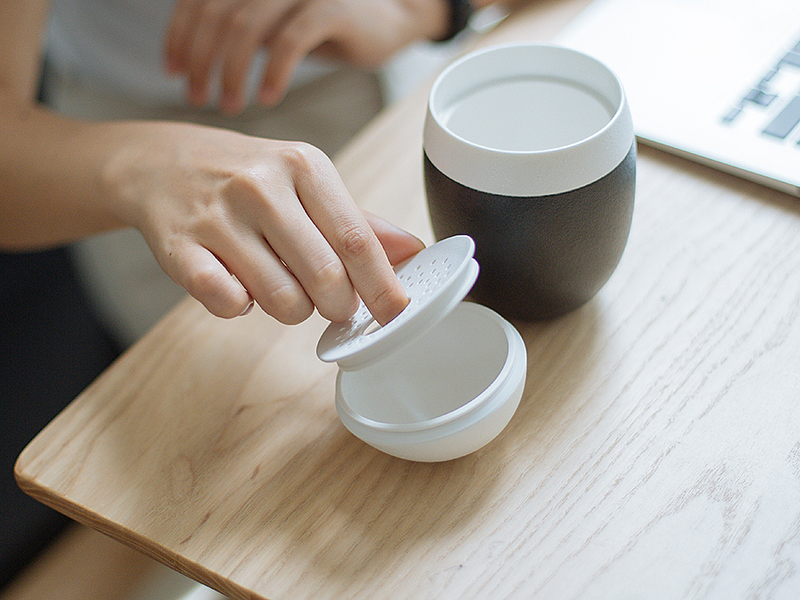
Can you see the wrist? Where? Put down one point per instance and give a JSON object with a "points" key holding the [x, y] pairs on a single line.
{"points": [[134, 161]]}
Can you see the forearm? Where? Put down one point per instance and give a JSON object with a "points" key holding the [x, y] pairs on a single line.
{"points": [[52, 177]]}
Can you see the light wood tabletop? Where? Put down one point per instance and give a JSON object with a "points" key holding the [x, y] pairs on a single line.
{"points": [[655, 452]]}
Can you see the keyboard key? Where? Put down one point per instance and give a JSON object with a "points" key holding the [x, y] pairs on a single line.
{"points": [[760, 97], [787, 120], [768, 77], [734, 112], [791, 58]]}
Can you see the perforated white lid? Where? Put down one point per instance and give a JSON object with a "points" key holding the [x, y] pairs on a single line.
{"points": [[436, 280]]}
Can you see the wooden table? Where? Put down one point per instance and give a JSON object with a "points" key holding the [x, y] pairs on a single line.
{"points": [[655, 453]]}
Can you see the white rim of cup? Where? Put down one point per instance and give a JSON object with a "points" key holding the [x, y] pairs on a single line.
{"points": [[536, 172]]}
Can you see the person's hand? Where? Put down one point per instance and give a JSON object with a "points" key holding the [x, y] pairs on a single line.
{"points": [[234, 218], [204, 34]]}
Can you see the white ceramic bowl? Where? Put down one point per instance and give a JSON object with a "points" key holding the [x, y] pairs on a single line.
{"points": [[444, 395]]}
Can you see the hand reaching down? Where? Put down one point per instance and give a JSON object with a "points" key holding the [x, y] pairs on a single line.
{"points": [[233, 218]]}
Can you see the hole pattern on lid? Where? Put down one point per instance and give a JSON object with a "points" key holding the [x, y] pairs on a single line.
{"points": [[419, 280], [433, 279]]}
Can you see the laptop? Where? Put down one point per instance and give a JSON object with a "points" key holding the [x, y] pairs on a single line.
{"points": [[717, 81]]}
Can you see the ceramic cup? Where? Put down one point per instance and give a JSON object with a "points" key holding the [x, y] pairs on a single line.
{"points": [[530, 150]]}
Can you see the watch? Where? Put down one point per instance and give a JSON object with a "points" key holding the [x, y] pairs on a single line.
{"points": [[460, 13]]}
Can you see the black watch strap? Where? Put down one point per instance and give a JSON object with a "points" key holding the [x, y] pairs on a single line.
{"points": [[460, 13]]}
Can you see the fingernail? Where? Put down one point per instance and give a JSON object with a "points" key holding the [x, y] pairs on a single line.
{"points": [[249, 308]]}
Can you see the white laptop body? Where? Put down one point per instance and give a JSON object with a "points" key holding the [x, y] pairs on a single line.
{"points": [[717, 81]]}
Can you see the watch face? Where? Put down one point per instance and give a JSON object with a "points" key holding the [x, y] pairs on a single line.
{"points": [[460, 13]]}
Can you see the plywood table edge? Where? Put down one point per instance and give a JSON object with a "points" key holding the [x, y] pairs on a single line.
{"points": [[128, 537]]}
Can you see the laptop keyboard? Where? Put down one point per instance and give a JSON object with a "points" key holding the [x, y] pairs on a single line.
{"points": [[775, 100], [782, 125]]}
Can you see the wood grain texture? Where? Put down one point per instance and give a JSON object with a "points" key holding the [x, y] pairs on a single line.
{"points": [[655, 453]]}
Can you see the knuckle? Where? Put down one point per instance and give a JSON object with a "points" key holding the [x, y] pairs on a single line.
{"points": [[248, 190], [242, 183], [208, 222], [204, 282], [209, 286], [304, 158], [327, 278], [354, 242], [288, 304]]}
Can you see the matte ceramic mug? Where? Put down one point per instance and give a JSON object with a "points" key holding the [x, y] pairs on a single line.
{"points": [[530, 150]]}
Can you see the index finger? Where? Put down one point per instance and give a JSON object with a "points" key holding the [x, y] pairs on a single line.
{"points": [[335, 213]]}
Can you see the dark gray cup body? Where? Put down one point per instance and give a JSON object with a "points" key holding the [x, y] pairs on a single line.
{"points": [[542, 256]]}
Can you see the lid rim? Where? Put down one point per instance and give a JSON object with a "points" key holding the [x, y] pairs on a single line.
{"points": [[352, 349]]}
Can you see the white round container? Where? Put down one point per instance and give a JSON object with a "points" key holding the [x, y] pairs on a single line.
{"points": [[526, 120], [443, 378]]}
